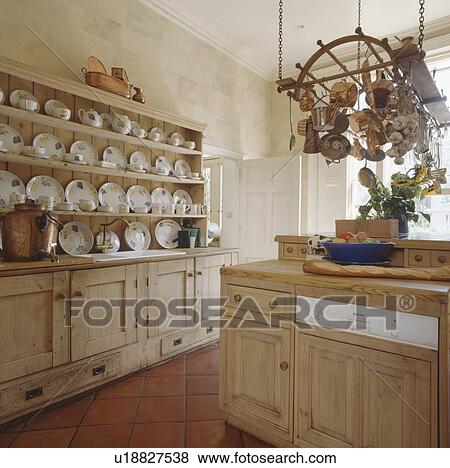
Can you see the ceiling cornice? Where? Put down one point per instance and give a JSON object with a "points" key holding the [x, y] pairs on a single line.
{"points": [[186, 20]]}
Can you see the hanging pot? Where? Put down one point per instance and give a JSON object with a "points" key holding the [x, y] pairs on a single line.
{"points": [[359, 121], [307, 101], [343, 94], [340, 124], [301, 127], [367, 178], [323, 117], [312, 140], [335, 147]]}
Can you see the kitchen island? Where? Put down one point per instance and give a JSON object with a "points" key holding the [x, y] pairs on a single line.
{"points": [[375, 375]]}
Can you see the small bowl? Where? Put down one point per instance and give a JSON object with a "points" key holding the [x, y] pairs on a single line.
{"points": [[64, 206], [195, 175], [70, 157], [141, 209], [135, 167], [124, 209], [87, 205], [105, 209], [189, 145]]}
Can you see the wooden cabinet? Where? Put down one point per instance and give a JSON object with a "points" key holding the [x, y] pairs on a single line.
{"points": [[257, 376], [347, 395], [32, 332], [90, 332]]}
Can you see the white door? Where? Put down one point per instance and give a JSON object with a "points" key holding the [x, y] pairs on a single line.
{"points": [[269, 205]]}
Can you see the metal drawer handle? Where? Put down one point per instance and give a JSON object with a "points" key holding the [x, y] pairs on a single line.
{"points": [[237, 298], [98, 370], [61, 295], [209, 329], [418, 258], [289, 250], [284, 366], [442, 259], [78, 293], [178, 341], [272, 304], [190, 275], [34, 393], [199, 273], [303, 250]]}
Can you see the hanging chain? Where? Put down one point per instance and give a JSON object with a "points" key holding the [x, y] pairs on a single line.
{"points": [[421, 23], [280, 40], [358, 56]]}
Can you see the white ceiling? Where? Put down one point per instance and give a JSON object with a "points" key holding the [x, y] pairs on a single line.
{"points": [[247, 29]]}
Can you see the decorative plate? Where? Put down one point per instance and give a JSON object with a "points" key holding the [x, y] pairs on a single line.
{"points": [[76, 239], [180, 137], [107, 121], [54, 147], [139, 157], [160, 196], [139, 197], [51, 108], [115, 155], [9, 183], [111, 194], [163, 165], [335, 147], [81, 190], [11, 139], [156, 130], [137, 236], [111, 238], [166, 232], [181, 197], [86, 149], [182, 168], [43, 185], [19, 95]]}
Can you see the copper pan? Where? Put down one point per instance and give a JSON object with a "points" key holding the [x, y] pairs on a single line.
{"points": [[312, 141]]}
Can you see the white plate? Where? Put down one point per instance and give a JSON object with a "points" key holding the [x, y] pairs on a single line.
{"points": [[43, 185], [137, 236], [86, 149], [11, 139], [111, 238], [19, 95], [160, 196], [139, 197], [163, 165], [181, 197], [180, 136], [76, 239], [139, 157], [166, 233], [51, 107], [81, 190], [54, 147], [115, 155], [111, 194], [182, 168], [9, 183]]}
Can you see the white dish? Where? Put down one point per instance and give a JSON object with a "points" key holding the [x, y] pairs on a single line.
{"points": [[9, 183], [166, 233], [111, 238], [182, 168], [22, 99], [86, 149], [35, 152], [181, 197], [132, 168], [137, 236], [111, 194], [189, 145], [64, 206], [139, 197], [163, 165], [107, 121], [105, 209], [178, 136], [81, 190], [139, 157], [113, 154], [156, 134], [160, 196], [45, 186], [11, 140], [57, 109], [76, 239], [107, 165], [54, 147]]}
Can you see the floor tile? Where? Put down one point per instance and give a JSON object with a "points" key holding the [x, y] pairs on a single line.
{"points": [[212, 434], [164, 385], [6, 438], [175, 367], [202, 384], [49, 438], [161, 409], [111, 411], [203, 408], [67, 415], [164, 435], [253, 442], [129, 387], [106, 436], [203, 362]]}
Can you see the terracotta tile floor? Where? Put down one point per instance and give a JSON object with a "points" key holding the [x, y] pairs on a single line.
{"points": [[172, 405]]}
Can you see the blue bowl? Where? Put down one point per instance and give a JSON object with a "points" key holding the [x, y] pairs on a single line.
{"points": [[359, 253]]}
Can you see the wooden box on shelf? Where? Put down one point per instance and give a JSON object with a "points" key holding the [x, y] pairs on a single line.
{"points": [[378, 228]]}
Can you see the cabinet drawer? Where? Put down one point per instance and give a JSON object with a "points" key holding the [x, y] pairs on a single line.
{"points": [[258, 299], [291, 250], [419, 258], [38, 391], [180, 340], [440, 258], [398, 258]]}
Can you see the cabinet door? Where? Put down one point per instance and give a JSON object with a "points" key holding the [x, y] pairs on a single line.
{"points": [[32, 332], [257, 376], [88, 339], [173, 279], [326, 392]]}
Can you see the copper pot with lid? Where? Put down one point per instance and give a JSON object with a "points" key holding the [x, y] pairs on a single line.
{"points": [[29, 232]]}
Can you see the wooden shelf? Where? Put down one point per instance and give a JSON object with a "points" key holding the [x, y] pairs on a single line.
{"points": [[76, 127], [88, 169]]}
